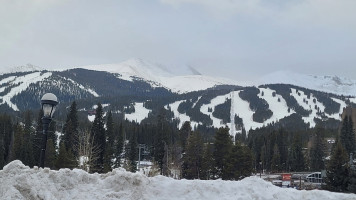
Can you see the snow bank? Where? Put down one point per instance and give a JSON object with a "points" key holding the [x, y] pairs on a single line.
{"points": [[21, 182]]}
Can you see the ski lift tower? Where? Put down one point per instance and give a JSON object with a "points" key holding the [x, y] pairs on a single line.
{"points": [[232, 118]]}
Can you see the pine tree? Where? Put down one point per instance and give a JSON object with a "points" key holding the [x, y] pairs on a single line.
{"points": [[28, 157], [6, 133], [2, 149], [98, 132], [317, 150], [296, 157], [347, 135], [193, 157], [70, 129], [160, 140], [17, 146], [50, 155], [65, 158], [109, 151], [119, 146], [352, 181], [240, 162], [207, 162], [133, 154], [37, 138], [185, 131], [338, 170], [222, 149], [276, 159]]}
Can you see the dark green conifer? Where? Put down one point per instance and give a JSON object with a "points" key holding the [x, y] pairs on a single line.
{"points": [[338, 170], [317, 150], [193, 157], [222, 149], [99, 135]]}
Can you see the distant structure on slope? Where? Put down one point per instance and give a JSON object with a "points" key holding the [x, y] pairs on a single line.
{"points": [[232, 118]]}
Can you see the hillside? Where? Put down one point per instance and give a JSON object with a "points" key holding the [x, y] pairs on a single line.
{"points": [[137, 89]]}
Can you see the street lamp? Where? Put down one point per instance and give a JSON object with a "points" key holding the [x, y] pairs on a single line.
{"points": [[49, 102]]}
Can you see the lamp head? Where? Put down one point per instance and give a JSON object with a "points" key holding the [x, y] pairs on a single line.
{"points": [[49, 102]]}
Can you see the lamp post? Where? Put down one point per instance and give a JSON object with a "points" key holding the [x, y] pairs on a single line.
{"points": [[49, 102]]}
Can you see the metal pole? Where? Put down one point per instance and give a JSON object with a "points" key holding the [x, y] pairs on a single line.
{"points": [[45, 122]]}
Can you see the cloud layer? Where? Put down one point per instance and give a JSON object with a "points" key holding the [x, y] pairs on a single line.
{"points": [[234, 38]]}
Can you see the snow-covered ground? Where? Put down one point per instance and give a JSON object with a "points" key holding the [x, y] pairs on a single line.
{"points": [[139, 114], [21, 182]]}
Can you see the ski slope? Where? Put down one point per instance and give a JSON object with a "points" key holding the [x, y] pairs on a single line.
{"points": [[182, 117], [20, 84], [140, 113], [21, 182], [308, 104], [279, 108], [214, 102]]}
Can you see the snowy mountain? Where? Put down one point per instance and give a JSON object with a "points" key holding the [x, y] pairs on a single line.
{"points": [[159, 76], [137, 90], [21, 182], [331, 84], [25, 68]]}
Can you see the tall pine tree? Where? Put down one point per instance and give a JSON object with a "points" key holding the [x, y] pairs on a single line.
{"points": [[70, 130], [193, 157], [119, 147], [347, 135], [99, 135], [222, 148], [109, 150], [338, 170], [317, 150]]}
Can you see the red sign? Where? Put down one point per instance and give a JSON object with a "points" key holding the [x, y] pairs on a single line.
{"points": [[286, 177]]}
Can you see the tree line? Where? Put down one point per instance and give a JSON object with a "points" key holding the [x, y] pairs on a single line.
{"points": [[203, 153]]}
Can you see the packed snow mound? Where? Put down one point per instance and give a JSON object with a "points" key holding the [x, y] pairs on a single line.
{"points": [[331, 84], [21, 182]]}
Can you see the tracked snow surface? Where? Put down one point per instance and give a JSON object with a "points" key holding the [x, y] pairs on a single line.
{"points": [[21, 182]]}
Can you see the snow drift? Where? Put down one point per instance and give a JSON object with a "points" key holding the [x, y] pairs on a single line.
{"points": [[21, 182]]}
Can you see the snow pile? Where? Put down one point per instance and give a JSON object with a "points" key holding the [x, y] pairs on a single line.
{"points": [[21, 182]]}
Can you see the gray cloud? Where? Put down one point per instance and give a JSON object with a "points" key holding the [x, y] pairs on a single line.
{"points": [[233, 38]]}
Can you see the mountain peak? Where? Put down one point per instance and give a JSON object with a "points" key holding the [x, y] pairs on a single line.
{"points": [[23, 68]]}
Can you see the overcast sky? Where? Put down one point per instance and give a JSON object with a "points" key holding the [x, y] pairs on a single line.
{"points": [[240, 39]]}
